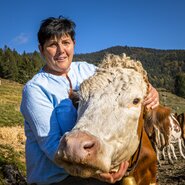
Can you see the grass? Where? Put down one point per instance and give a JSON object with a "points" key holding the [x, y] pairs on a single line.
{"points": [[176, 103], [10, 117], [10, 98], [8, 155]]}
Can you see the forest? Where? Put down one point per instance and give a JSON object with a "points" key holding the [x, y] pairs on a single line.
{"points": [[166, 68]]}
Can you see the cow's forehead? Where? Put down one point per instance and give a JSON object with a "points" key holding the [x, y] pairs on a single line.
{"points": [[115, 82], [110, 97]]}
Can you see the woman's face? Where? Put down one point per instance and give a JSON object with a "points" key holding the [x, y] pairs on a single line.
{"points": [[58, 54]]}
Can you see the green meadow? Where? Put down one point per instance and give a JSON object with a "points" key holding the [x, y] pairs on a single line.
{"points": [[10, 98]]}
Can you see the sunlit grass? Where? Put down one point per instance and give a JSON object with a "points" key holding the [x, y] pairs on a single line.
{"points": [[10, 98], [176, 103], [10, 118]]}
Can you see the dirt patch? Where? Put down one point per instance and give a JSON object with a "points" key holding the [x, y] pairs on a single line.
{"points": [[172, 174]]}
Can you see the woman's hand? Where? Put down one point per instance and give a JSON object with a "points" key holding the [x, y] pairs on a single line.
{"points": [[152, 100], [112, 177]]}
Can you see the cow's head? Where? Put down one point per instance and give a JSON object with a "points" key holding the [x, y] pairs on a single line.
{"points": [[106, 132]]}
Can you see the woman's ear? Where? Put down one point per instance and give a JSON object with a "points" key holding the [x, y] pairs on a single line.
{"points": [[40, 49], [41, 52]]}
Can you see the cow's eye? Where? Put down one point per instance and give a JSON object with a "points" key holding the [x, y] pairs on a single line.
{"points": [[136, 101]]}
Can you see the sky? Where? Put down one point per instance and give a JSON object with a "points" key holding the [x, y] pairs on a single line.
{"points": [[100, 24]]}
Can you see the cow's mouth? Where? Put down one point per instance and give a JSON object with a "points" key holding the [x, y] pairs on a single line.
{"points": [[78, 169]]}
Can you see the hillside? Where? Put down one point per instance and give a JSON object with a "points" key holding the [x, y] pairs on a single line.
{"points": [[10, 97], [163, 66], [176, 103], [12, 139], [166, 68]]}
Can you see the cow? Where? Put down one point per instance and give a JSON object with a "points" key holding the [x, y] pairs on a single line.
{"points": [[164, 131], [110, 124], [181, 119]]}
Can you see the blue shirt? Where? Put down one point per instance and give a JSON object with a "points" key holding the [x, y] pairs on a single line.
{"points": [[48, 114]]}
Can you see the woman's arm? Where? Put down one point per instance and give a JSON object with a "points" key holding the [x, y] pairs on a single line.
{"points": [[41, 120]]}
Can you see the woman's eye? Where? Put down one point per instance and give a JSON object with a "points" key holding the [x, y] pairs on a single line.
{"points": [[136, 101], [66, 43], [53, 45]]}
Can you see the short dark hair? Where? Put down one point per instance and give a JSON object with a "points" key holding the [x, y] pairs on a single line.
{"points": [[52, 26]]}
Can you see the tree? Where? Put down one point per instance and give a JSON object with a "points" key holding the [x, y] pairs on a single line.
{"points": [[180, 85], [9, 68]]}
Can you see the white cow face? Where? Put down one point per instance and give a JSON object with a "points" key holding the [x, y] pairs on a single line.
{"points": [[106, 131]]}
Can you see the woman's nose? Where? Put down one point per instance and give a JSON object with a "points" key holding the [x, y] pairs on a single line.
{"points": [[60, 48]]}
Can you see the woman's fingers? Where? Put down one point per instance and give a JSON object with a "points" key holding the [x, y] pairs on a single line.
{"points": [[112, 177], [152, 99]]}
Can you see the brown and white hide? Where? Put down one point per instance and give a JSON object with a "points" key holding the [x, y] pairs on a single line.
{"points": [[110, 126], [181, 120], [164, 131]]}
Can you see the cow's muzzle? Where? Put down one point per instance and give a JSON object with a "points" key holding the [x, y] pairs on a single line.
{"points": [[78, 152], [78, 147]]}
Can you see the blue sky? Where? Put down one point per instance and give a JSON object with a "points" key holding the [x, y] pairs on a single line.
{"points": [[101, 24]]}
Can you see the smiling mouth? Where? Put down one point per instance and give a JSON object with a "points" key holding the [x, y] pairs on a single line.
{"points": [[61, 59]]}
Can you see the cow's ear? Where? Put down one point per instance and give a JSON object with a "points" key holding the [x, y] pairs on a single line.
{"points": [[149, 128], [148, 122]]}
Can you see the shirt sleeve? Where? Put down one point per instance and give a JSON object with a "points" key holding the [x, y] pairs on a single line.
{"points": [[86, 69], [45, 120], [66, 115]]}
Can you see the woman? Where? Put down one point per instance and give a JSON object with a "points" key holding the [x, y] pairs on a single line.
{"points": [[48, 111]]}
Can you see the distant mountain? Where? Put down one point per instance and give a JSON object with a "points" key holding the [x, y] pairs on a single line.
{"points": [[163, 66]]}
